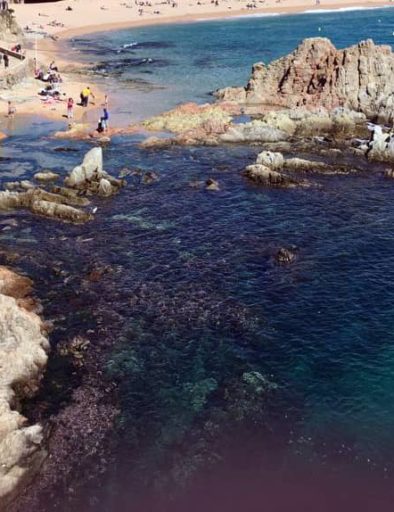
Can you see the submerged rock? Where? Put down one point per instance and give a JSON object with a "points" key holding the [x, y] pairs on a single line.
{"points": [[212, 185], [285, 256], [150, 177]]}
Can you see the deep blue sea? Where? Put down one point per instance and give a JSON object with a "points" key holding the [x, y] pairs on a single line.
{"points": [[243, 385]]}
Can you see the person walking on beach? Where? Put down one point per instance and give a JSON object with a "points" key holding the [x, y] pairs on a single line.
{"points": [[70, 108], [85, 96], [11, 109]]}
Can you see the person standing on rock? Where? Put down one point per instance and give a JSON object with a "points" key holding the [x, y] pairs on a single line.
{"points": [[104, 119], [6, 60]]}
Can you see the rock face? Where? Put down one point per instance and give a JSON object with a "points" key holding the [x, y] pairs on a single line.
{"points": [[23, 357], [317, 74]]}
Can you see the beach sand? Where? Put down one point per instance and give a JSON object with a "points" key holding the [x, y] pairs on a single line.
{"points": [[87, 16]]}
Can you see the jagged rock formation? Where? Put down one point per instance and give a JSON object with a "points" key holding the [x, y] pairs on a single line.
{"points": [[23, 348], [317, 74], [64, 203]]}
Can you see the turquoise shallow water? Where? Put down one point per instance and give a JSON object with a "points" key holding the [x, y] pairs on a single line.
{"points": [[186, 62], [243, 385]]}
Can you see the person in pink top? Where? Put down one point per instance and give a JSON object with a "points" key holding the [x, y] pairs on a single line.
{"points": [[70, 108]]}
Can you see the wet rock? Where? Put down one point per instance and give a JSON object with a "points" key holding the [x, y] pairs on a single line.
{"points": [[156, 143], [381, 145], [76, 349], [92, 166], [12, 185], [301, 164], [91, 177], [212, 185], [265, 176], [72, 194], [150, 177], [105, 188], [46, 176], [60, 211], [125, 172], [27, 185], [270, 159], [285, 256]]}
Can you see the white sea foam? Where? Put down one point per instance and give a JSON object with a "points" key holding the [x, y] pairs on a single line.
{"points": [[242, 16], [346, 9], [130, 45], [308, 11]]}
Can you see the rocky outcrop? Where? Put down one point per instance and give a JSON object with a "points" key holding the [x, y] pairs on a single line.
{"points": [[380, 146], [255, 131], [273, 126], [317, 74], [23, 356], [64, 203], [190, 117], [265, 176], [91, 178]]}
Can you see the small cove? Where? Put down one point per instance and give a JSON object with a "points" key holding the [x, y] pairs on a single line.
{"points": [[200, 302]]}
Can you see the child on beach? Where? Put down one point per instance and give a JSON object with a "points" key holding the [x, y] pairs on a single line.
{"points": [[70, 108], [11, 109]]}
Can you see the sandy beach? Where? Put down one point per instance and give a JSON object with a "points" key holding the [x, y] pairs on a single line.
{"points": [[48, 23]]}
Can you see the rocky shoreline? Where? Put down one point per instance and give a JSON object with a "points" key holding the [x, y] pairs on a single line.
{"points": [[23, 357], [309, 114]]}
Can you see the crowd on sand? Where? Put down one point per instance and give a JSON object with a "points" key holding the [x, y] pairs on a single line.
{"points": [[51, 93]]}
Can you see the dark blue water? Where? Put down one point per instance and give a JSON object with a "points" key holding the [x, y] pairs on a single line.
{"points": [[242, 383]]}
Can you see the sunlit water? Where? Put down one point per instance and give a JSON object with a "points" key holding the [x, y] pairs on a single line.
{"points": [[202, 304]]}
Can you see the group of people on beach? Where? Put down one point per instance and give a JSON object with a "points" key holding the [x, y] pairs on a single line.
{"points": [[85, 95]]}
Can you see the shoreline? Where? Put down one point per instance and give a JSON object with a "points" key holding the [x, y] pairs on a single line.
{"points": [[51, 48], [278, 10]]}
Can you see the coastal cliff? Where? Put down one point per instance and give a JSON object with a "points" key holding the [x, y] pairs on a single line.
{"points": [[23, 356], [317, 74]]}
